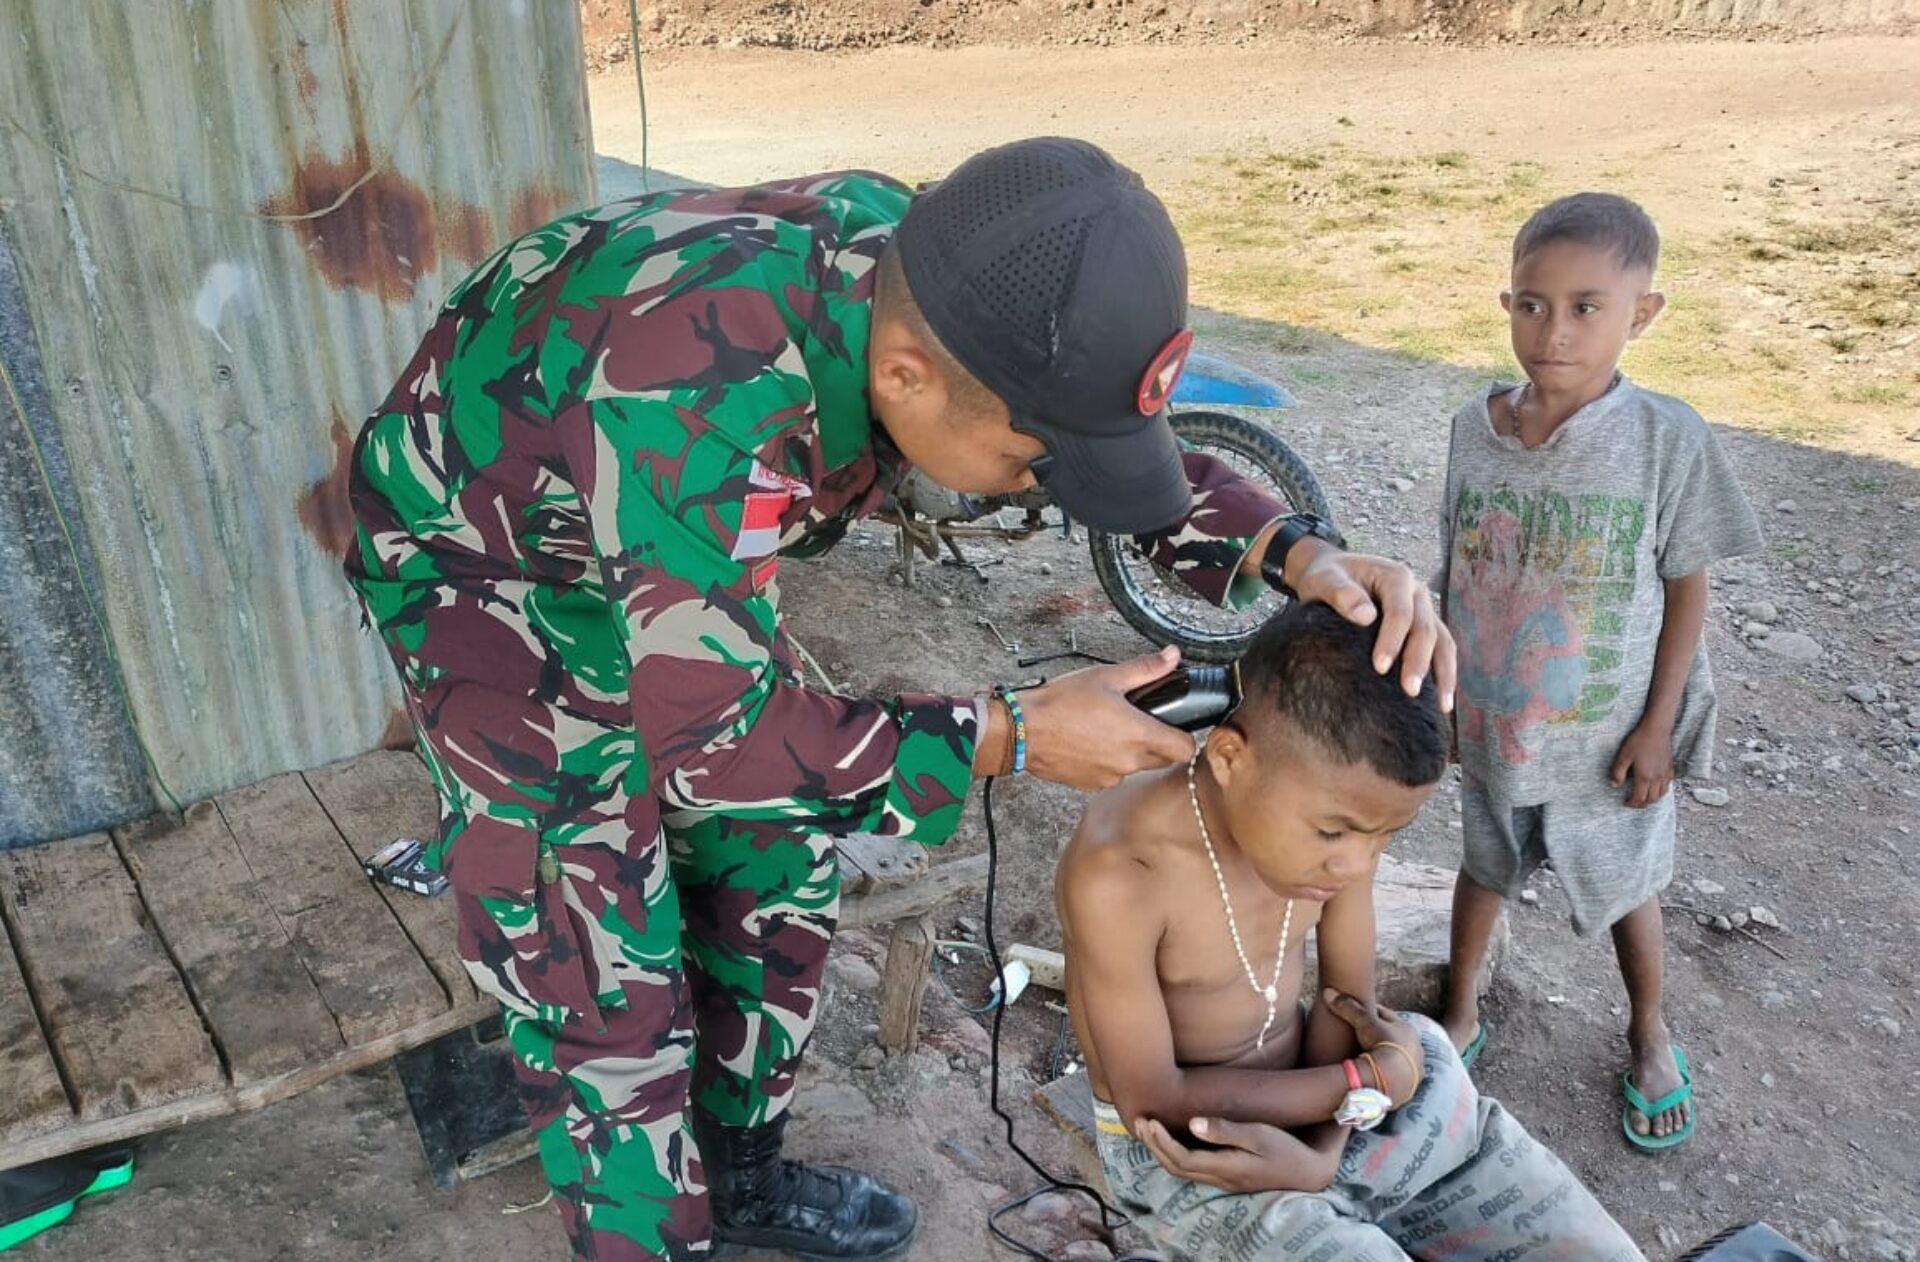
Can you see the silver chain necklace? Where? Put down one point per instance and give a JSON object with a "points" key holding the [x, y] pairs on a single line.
{"points": [[1271, 991]]}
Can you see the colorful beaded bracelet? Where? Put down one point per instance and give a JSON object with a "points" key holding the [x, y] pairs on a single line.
{"points": [[1019, 718]]}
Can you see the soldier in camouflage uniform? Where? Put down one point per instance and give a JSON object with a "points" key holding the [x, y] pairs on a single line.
{"points": [[571, 512]]}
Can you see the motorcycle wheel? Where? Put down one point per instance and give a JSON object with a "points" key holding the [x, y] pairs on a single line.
{"points": [[1158, 603]]}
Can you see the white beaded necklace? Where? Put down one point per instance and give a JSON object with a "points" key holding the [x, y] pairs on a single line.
{"points": [[1271, 991]]}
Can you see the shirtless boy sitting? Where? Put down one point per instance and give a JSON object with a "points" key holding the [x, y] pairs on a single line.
{"points": [[1232, 1125]]}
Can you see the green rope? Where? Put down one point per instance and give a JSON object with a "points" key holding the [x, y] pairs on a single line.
{"points": [[80, 576]]}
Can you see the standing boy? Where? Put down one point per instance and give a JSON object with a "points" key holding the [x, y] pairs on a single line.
{"points": [[1581, 514], [1186, 897]]}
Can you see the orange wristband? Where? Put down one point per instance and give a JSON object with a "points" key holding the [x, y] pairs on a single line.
{"points": [[1379, 1082]]}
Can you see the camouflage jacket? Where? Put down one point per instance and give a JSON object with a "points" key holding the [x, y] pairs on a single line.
{"points": [[579, 490]]}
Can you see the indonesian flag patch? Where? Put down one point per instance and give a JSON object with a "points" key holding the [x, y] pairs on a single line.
{"points": [[767, 503]]}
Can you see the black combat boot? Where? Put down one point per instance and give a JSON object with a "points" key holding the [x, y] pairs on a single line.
{"points": [[762, 1201]]}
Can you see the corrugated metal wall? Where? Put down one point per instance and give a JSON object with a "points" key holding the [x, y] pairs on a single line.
{"points": [[230, 221]]}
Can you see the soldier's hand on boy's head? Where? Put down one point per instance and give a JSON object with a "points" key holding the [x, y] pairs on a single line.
{"points": [[1082, 731], [1363, 588], [1645, 757]]}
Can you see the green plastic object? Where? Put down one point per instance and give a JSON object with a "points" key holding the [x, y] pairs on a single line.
{"points": [[116, 1174]]}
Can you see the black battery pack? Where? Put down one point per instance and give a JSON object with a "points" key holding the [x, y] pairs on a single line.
{"points": [[403, 863]]}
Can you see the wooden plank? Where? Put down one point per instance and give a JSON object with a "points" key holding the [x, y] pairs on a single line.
{"points": [[869, 862], [374, 799], [113, 1130], [942, 881], [904, 984], [119, 1018], [266, 1014], [32, 1101], [367, 970]]}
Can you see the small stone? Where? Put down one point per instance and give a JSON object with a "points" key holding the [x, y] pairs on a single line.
{"points": [[1833, 763], [1086, 1251], [1865, 694], [1773, 999], [1710, 795], [1910, 656], [1772, 761], [1050, 1207], [1760, 611], [1668, 1185], [958, 1062], [1530, 897], [1703, 919], [1766, 1080], [1756, 630], [1850, 563], [1723, 924], [870, 1058], [1786, 506], [1400, 484], [1046, 567], [943, 601], [1739, 919], [1886, 1026], [1764, 917], [1793, 646], [967, 925], [853, 973], [1701, 885], [960, 1155], [1669, 1238], [1885, 1250]]}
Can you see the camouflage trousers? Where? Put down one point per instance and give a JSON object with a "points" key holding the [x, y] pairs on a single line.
{"points": [[682, 970]]}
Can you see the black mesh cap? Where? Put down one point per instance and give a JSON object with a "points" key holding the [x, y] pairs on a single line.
{"points": [[1057, 279]]}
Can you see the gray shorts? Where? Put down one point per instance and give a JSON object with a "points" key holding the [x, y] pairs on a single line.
{"points": [[1451, 1175], [1609, 857]]}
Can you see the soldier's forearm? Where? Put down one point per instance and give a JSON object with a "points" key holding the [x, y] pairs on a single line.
{"points": [[993, 755]]}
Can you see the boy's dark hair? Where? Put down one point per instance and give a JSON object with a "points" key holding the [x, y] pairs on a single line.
{"points": [[1607, 220], [1312, 669]]}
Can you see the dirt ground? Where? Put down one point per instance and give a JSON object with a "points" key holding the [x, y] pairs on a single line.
{"points": [[844, 25], [1808, 1060]]}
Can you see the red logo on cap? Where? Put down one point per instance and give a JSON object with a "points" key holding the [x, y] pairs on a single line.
{"points": [[1156, 387]]}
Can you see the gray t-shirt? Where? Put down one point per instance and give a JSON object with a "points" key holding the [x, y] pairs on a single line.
{"points": [[1553, 563]]}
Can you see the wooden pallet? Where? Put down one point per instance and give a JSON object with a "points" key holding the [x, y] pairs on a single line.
{"points": [[181, 969]]}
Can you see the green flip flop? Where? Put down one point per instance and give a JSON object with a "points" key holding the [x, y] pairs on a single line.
{"points": [[1471, 1052], [1650, 1109], [34, 1198]]}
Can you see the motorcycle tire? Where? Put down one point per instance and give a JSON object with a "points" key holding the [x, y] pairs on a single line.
{"points": [[1155, 601]]}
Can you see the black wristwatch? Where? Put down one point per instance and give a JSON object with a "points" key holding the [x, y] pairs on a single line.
{"points": [[1294, 528]]}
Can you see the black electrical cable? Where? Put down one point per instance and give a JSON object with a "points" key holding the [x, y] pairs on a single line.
{"points": [[1111, 1219]]}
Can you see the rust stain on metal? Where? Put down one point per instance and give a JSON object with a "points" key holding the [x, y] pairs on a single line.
{"points": [[323, 507], [380, 238], [399, 732], [466, 231], [305, 82], [538, 204]]}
